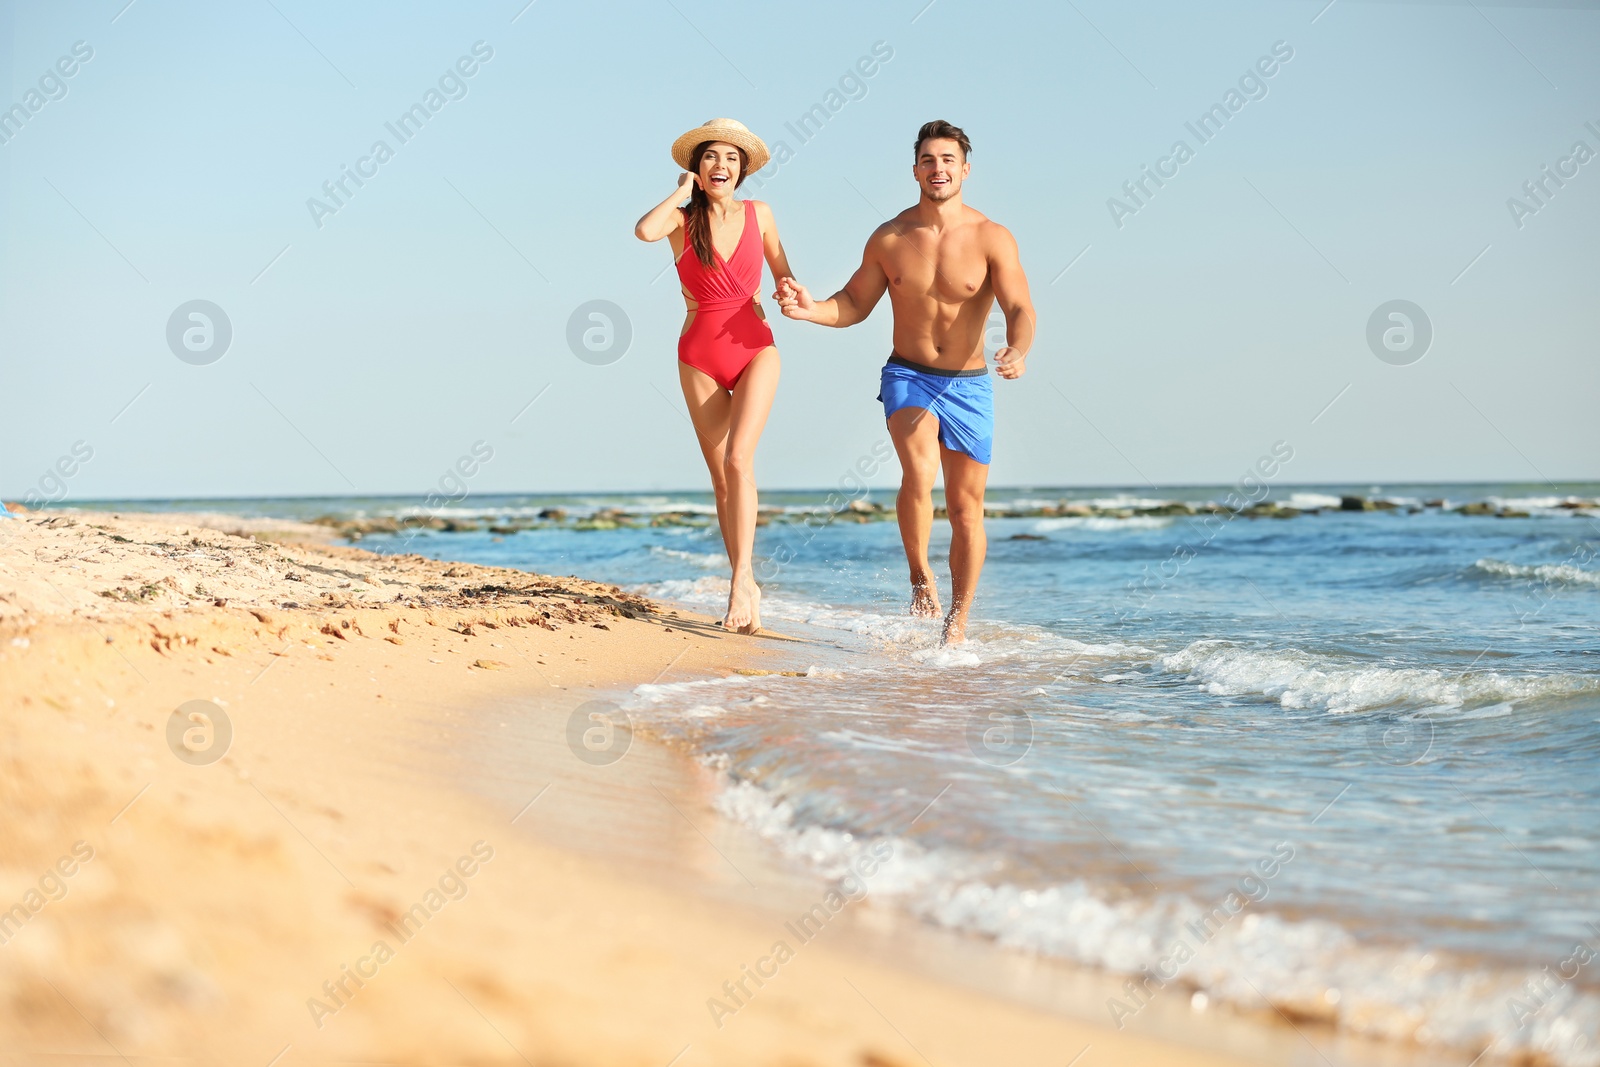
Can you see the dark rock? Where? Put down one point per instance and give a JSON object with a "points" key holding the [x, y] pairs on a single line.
{"points": [[1355, 503]]}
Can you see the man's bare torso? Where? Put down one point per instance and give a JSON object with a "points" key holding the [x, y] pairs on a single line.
{"points": [[938, 286]]}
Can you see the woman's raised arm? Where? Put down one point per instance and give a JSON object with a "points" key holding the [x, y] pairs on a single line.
{"points": [[662, 219]]}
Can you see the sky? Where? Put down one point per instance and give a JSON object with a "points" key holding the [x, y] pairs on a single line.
{"points": [[440, 306]]}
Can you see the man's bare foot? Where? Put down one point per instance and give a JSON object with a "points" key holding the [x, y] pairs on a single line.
{"points": [[925, 600], [955, 627], [744, 608]]}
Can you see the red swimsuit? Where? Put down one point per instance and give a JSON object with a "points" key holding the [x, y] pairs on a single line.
{"points": [[726, 332]]}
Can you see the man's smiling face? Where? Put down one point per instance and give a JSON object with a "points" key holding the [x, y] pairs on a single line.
{"points": [[941, 168]]}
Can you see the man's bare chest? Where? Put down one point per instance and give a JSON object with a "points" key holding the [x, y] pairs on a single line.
{"points": [[951, 271]]}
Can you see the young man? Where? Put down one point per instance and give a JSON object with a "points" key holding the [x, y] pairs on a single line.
{"points": [[944, 265]]}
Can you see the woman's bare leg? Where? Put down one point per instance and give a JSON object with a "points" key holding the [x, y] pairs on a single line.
{"points": [[751, 403], [710, 408]]}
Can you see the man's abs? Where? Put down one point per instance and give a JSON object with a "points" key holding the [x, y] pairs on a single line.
{"points": [[940, 334]]}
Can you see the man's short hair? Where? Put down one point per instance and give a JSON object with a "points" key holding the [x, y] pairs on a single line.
{"points": [[939, 129]]}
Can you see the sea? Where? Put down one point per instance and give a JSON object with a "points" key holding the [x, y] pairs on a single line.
{"points": [[1336, 756]]}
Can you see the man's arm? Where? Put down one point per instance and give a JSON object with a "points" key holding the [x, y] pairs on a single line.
{"points": [[1011, 290], [846, 307]]}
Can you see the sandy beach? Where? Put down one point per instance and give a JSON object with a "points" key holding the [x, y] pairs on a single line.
{"points": [[331, 889]]}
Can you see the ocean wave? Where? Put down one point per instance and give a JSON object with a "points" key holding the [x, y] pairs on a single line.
{"points": [[488, 512], [1308, 968], [918, 639], [1124, 500], [709, 591], [1299, 679], [1551, 573], [1546, 506], [1306, 501], [708, 560], [1528, 503], [1102, 522]]}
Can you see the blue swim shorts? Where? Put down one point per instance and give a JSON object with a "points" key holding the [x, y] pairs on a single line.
{"points": [[962, 401]]}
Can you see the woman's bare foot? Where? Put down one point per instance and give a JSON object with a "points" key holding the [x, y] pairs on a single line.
{"points": [[955, 627], [755, 610], [744, 607], [925, 599]]}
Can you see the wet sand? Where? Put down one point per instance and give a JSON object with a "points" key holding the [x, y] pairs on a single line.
{"points": [[410, 854]]}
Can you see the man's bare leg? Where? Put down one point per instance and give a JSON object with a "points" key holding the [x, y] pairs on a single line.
{"points": [[964, 482], [916, 440]]}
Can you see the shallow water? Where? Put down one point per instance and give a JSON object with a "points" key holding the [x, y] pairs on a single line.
{"points": [[1345, 762]]}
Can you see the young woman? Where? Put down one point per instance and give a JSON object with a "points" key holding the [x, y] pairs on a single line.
{"points": [[727, 363]]}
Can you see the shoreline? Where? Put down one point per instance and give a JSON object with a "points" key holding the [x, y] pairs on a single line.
{"points": [[572, 910]]}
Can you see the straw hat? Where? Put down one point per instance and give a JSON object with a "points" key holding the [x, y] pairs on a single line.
{"points": [[727, 130]]}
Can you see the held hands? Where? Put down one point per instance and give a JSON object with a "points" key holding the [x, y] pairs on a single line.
{"points": [[794, 299], [1009, 362]]}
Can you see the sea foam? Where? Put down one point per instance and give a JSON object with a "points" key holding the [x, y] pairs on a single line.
{"points": [[1311, 968], [1299, 679]]}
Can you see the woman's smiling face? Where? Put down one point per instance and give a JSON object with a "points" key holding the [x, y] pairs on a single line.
{"points": [[721, 165]]}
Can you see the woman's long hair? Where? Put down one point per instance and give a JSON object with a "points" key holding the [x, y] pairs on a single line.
{"points": [[697, 216]]}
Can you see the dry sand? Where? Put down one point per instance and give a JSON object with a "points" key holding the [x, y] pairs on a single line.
{"points": [[211, 912]]}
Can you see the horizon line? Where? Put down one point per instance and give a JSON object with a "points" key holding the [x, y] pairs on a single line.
{"points": [[1373, 486]]}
